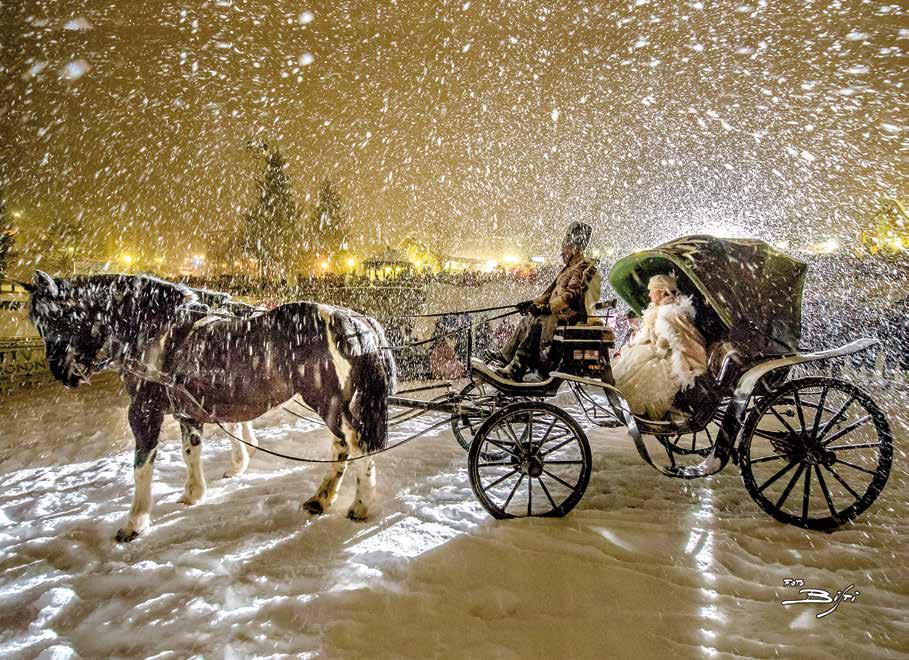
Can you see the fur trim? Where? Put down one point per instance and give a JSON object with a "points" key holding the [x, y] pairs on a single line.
{"points": [[666, 326]]}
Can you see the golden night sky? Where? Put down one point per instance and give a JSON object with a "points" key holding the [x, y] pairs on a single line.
{"points": [[469, 125]]}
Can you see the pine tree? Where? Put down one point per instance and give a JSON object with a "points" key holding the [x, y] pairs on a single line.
{"points": [[328, 222], [7, 236], [271, 226]]}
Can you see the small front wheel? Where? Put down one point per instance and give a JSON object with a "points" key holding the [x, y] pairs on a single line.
{"points": [[465, 426], [816, 453], [540, 463]]}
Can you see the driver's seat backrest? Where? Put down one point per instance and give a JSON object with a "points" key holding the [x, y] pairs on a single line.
{"points": [[592, 297]]}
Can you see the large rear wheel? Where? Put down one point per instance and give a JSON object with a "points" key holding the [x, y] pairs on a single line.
{"points": [[816, 453]]}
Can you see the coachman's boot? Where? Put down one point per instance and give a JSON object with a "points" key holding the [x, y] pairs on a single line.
{"points": [[513, 371]]}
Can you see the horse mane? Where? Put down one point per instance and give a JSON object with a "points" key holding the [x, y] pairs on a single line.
{"points": [[139, 307]]}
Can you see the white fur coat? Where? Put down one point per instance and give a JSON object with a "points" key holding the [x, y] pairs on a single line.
{"points": [[664, 357]]}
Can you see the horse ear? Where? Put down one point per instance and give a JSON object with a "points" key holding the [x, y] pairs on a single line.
{"points": [[44, 283]]}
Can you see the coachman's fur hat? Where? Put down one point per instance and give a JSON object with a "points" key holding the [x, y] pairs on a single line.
{"points": [[578, 236]]}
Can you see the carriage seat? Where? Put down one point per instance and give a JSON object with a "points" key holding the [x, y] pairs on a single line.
{"points": [[724, 364]]}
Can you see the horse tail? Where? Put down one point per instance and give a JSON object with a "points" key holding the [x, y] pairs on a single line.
{"points": [[369, 404]]}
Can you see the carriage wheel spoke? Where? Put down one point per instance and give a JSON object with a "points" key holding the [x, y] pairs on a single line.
{"points": [[548, 496], [820, 480], [772, 435], [784, 422], [836, 417], [857, 467], [807, 497], [849, 429], [564, 462], [549, 430], [510, 431], [502, 447], [503, 464], [789, 486], [798, 409], [529, 497], [764, 459], [557, 447], [694, 441], [513, 491], [864, 445], [842, 482], [779, 474], [499, 480], [819, 412], [557, 478]]}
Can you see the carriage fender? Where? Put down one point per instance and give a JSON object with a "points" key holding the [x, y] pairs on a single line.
{"points": [[747, 383]]}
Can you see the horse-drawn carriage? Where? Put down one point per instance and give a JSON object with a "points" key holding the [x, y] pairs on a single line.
{"points": [[813, 452]]}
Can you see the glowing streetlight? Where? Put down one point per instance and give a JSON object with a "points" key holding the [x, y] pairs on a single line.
{"points": [[126, 259], [491, 265], [351, 262], [324, 264], [538, 260], [510, 259]]}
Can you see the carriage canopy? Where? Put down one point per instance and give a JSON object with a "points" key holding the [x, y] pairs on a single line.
{"points": [[752, 291]]}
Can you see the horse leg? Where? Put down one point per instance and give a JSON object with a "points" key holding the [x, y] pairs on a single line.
{"points": [[191, 434], [146, 413], [239, 454], [328, 489], [365, 469]]}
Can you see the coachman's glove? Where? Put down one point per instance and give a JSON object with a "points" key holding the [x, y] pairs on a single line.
{"points": [[524, 307], [539, 310]]}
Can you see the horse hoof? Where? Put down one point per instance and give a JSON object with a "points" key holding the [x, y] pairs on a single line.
{"points": [[357, 516], [125, 535], [314, 507], [189, 501]]}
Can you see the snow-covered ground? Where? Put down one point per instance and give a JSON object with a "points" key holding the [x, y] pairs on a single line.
{"points": [[645, 566]]}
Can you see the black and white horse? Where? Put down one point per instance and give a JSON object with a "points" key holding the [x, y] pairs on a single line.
{"points": [[222, 369]]}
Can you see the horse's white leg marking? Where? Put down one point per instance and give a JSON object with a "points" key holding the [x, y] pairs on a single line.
{"points": [[251, 438], [194, 490], [239, 454], [366, 476], [328, 489], [140, 512]]}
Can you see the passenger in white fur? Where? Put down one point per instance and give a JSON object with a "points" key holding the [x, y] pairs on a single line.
{"points": [[665, 356]]}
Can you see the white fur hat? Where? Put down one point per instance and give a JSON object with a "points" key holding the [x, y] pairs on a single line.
{"points": [[667, 282]]}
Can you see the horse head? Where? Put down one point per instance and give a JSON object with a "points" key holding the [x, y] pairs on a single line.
{"points": [[72, 325]]}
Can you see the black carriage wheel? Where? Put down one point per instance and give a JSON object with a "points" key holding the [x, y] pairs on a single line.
{"points": [[816, 453], [699, 442], [546, 464], [466, 426]]}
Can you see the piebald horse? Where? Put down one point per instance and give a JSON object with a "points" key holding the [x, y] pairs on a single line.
{"points": [[174, 359]]}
